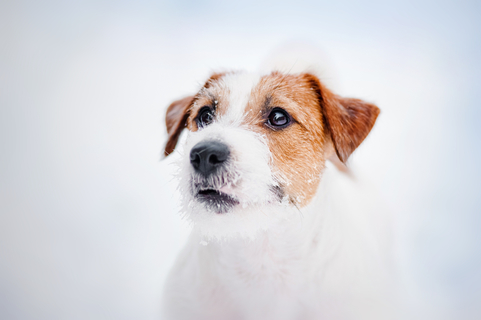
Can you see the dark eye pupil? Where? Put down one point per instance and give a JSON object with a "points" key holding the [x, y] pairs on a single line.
{"points": [[278, 118], [205, 117]]}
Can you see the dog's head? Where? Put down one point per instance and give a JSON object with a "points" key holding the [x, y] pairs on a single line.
{"points": [[257, 145]]}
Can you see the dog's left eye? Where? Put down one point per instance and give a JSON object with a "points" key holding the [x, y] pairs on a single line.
{"points": [[278, 118], [205, 117]]}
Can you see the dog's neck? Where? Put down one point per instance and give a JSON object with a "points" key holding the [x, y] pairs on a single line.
{"points": [[277, 251]]}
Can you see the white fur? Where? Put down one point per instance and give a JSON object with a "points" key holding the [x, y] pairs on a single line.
{"points": [[241, 85], [267, 259]]}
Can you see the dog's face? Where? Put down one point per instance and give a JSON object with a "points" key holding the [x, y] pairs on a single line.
{"points": [[258, 144]]}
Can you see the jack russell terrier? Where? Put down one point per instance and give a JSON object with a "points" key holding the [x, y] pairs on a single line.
{"points": [[274, 234]]}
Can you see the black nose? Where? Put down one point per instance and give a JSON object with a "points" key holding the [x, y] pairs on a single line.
{"points": [[207, 156]]}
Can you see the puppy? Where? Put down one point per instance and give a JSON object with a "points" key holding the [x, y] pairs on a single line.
{"points": [[275, 234]]}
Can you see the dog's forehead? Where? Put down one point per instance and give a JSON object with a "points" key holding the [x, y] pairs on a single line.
{"points": [[239, 89], [247, 98], [238, 93]]}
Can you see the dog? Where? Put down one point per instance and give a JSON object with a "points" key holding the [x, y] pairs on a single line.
{"points": [[275, 233]]}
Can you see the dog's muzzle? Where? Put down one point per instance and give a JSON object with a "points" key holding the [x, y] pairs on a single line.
{"points": [[209, 160]]}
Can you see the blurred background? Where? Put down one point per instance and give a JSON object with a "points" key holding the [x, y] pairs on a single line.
{"points": [[88, 211]]}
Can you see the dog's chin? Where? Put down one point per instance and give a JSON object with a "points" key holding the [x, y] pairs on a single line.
{"points": [[216, 215], [216, 201]]}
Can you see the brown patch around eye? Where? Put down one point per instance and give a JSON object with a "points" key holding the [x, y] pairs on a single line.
{"points": [[324, 123], [212, 95], [298, 148]]}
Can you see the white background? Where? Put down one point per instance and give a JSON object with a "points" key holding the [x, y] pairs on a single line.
{"points": [[88, 211]]}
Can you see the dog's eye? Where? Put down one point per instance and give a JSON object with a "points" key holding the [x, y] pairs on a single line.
{"points": [[205, 117], [278, 118]]}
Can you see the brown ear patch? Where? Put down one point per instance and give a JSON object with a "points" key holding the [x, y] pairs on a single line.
{"points": [[175, 120], [349, 120]]}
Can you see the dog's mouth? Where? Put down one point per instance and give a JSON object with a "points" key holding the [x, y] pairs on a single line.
{"points": [[215, 200]]}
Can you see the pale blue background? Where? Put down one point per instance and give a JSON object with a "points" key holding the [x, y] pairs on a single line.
{"points": [[88, 223]]}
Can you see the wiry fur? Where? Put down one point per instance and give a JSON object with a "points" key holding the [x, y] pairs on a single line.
{"points": [[293, 246]]}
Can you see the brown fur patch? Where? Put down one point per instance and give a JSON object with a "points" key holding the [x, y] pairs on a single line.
{"points": [[298, 151], [175, 120], [214, 95]]}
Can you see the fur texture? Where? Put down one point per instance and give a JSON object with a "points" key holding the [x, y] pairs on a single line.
{"points": [[293, 245]]}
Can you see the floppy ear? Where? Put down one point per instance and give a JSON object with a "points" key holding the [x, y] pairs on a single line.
{"points": [[175, 121], [348, 120]]}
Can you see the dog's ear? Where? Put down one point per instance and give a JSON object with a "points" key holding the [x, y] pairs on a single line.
{"points": [[349, 121], [175, 121]]}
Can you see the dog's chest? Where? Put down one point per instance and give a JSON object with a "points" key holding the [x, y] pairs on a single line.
{"points": [[270, 259], [263, 276]]}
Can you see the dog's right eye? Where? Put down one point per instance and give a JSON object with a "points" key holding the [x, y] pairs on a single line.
{"points": [[205, 117]]}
